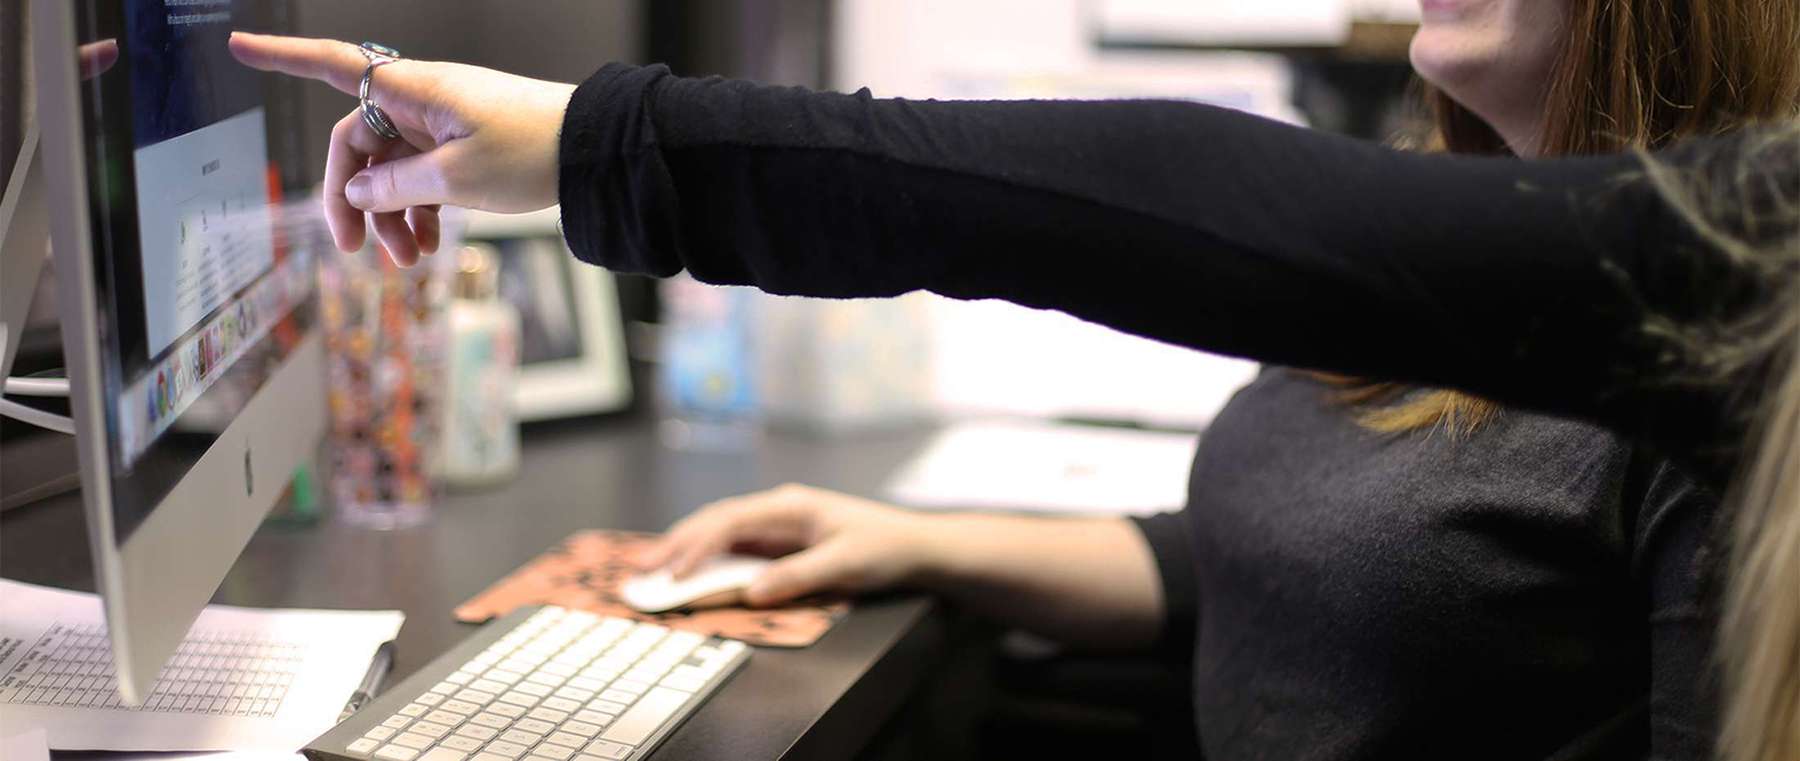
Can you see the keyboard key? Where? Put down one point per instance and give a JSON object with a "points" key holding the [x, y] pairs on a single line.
{"points": [[593, 717], [631, 686], [460, 677], [575, 657], [534, 726], [460, 742], [488, 685], [551, 752], [429, 729], [576, 694], [441, 753], [561, 704], [581, 728], [587, 757], [489, 719], [478, 731], [526, 739], [475, 696], [637, 724], [430, 698], [564, 738], [396, 753], [606, 706], [361, 748], [414, 710], [609, 749], [532, 688], [617, 696], [445, 717], [684, 641], [649, 631], [548, 714], [397, 720], [644, 674], [507, 748], [410, 740], [518, 698], [509, 710], [502, 676], [458, 706], [612, 662], [379, 733], [444, 687], [486, 756], [585, 683], [544, 678]]}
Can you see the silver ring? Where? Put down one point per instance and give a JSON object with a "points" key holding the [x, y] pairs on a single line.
{"points": [[378, 55]]}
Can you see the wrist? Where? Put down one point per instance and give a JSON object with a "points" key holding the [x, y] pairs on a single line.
{"points": [[937, 550]]}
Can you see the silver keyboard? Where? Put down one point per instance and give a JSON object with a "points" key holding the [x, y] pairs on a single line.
{"points": [[562, 686]]}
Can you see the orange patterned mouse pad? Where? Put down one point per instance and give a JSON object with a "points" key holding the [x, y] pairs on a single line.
{"points": [[585, 571]]}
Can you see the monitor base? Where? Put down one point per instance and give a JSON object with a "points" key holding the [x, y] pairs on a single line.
{"points": [[24, 245]]}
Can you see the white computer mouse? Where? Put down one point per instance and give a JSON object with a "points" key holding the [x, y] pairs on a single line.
{"points": [[717, 582]]}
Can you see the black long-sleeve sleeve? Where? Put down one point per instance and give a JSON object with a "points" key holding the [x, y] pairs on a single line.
{"points": [[1522, 281]]}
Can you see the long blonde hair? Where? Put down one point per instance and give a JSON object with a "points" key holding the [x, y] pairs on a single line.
{"points": [[1748, 209], [1632, 74]]}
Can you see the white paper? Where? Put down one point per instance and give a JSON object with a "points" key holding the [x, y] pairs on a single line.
{"points": [[995, 358], [1035, 467], [24, 746], [305, 664]]}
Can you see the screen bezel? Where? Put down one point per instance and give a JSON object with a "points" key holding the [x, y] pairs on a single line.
{"points": [[142, 480]]}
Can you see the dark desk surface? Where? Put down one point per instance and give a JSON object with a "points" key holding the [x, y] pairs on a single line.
{"points": [[823, 701]]}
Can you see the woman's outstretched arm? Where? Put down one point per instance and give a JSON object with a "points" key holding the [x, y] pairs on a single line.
{"points": [[1525, 281], [1528, 282]]}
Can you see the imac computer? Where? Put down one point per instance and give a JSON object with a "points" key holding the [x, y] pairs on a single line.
{"points": [[195, 367]]}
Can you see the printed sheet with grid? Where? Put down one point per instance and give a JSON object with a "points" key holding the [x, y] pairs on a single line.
{"points": [[242, 679], [212, 672]]}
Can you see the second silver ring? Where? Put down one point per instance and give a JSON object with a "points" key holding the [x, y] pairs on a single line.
{"points": [[372, 113]]}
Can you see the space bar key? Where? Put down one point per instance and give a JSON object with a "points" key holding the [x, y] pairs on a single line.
{"points": [[645, 716]]}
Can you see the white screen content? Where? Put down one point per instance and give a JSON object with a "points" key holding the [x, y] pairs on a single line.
{"points": [[203, 222]]}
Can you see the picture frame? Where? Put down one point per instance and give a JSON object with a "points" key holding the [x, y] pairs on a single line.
{"points": [[572, 358]]}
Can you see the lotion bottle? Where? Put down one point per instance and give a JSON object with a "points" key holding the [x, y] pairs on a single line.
{"points": [[480, 432]]}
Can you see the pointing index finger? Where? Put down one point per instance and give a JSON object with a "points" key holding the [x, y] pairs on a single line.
{"points": [[401, 87], [335, 63]]}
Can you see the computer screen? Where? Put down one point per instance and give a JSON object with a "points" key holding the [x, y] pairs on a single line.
{"points": [[202, 286]]}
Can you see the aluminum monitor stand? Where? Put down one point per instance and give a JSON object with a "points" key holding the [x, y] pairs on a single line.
{"points": [[24, 245]]}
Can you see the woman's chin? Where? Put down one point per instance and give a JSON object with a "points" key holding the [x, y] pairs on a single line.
{"points": [[1448, 62]]}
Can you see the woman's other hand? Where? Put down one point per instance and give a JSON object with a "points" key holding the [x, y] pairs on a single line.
{"points": [[470, 137], [827, 542]]}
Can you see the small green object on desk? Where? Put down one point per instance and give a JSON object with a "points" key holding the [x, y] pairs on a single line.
{"points": [[299, 505]]}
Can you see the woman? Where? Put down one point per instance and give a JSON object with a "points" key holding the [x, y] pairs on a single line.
{"points": [[1233, 235]]}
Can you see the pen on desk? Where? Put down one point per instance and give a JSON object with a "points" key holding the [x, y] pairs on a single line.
{"points": [[371, 681], [1125, 424]]}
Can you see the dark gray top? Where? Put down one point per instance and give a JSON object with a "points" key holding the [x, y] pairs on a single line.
{"points": [[1532, 591]]}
